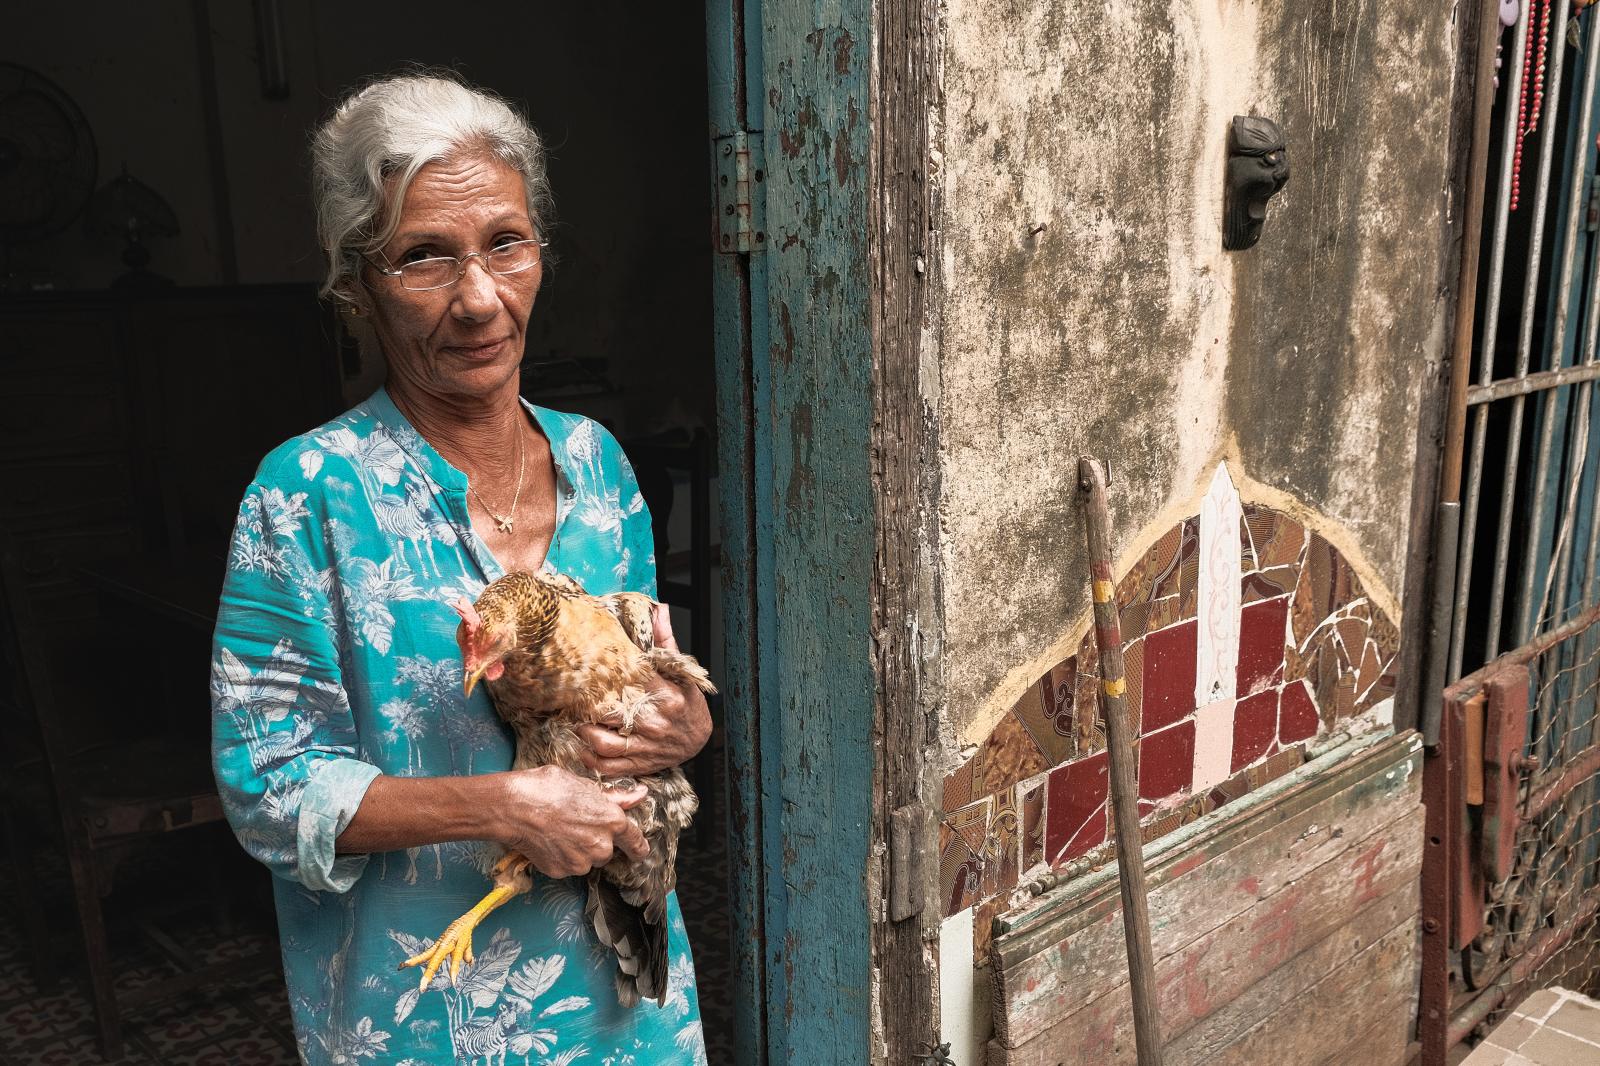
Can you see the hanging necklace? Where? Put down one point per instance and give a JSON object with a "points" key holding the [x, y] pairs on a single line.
{"points": [[506, 523]]}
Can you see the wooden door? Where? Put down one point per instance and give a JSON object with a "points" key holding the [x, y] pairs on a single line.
{"points": [[792, 286], [744, 474]]}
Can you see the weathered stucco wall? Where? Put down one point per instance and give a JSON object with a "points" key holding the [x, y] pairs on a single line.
{"points": [[1084, 305], [1087, 306]]}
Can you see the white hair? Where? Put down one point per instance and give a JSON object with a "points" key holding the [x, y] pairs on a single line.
{"points": [[386, 132]]}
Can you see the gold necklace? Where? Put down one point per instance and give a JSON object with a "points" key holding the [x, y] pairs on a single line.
{"points": [[507, 522]]}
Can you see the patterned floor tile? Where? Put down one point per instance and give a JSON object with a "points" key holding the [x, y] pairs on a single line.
{"points": [[246, 1023]]}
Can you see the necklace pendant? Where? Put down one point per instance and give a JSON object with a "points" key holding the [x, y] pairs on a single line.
{"points": [[504, 525]]}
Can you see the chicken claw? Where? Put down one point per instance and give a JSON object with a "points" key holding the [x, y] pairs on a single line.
{"points": [[455, 943]]}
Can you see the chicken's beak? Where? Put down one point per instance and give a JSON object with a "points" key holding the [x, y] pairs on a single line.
{"points": [[470, 679]]}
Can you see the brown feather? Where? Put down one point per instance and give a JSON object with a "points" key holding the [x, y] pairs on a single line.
{"points": [[576, 659]]}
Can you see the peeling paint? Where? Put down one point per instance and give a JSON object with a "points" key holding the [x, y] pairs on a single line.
{"points": [[1122, 329]]}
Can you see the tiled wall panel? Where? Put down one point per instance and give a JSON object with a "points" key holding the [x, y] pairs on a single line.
{"points": [[1234, 660]]}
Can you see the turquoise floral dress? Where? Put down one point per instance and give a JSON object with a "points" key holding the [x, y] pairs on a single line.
{"points": [[335, 661]]}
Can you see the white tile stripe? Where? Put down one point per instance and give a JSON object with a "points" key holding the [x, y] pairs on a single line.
{"points": [[1217, 630], [1217, 652]]}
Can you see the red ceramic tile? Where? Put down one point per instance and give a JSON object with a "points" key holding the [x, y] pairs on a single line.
{"points": [[1168, 676], [1297, 718], [1075, 808], [1261, 638], [1166, 761], [1255, 727]]}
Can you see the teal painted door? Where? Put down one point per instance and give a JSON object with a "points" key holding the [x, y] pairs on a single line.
{"points": [[794, 379], [744, 474]]}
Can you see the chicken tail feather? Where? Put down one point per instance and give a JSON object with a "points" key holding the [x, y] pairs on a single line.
{"points": [[640, 945]]}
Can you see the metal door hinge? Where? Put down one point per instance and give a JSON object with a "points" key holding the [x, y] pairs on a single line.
{"points": [[741, 199], [1592, 219], [907, 861]]}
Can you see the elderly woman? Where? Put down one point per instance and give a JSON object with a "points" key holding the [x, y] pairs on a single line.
{"points": [[349, 761]]}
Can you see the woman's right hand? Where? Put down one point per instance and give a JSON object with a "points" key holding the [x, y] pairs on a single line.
{"points": [[565, 824]]}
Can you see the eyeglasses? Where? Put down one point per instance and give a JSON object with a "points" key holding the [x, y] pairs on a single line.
{"points": [[441, 271]]}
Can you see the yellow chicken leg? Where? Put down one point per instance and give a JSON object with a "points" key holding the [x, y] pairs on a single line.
{"points": [[511, 878]]}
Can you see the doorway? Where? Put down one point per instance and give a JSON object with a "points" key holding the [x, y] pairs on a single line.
{"points": [[209, 106]]}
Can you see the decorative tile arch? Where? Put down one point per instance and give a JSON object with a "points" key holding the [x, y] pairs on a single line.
{"points": [[1245, 634]]}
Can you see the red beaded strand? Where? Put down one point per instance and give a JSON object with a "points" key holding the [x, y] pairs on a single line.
{"points": [[1528, 117], [1538, 72]]}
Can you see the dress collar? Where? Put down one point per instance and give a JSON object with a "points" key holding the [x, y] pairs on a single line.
{"points": [[385, 411], [453, 482]]}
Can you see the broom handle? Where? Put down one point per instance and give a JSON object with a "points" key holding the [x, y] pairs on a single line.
{"points": [[1124, 774]]}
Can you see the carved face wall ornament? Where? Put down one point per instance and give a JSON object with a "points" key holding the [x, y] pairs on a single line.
{"points": [[1258, 166]]}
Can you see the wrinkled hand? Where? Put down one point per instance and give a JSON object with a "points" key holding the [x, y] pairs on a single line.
{"points": [[567, 825], [669, 735]]}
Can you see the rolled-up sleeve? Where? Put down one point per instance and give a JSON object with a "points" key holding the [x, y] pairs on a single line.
{"points": [[285, 748]]}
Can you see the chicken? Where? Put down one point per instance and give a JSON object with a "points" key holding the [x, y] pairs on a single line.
{"points": [[553, 658]]}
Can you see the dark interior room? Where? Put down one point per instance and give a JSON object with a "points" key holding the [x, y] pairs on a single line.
{"points": [[161, 331]]}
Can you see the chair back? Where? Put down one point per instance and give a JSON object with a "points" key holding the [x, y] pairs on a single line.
{"points": [[27, 696]]}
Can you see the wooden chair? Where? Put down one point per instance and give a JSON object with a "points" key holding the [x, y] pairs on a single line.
{"points": [[108, 798]]}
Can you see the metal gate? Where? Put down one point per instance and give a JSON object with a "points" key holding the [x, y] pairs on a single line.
{"points": [[1532, 458], [1512, 860], [1514, 834]]}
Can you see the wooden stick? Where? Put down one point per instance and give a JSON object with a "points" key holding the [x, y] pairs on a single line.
{"points": [[1124, 769]]}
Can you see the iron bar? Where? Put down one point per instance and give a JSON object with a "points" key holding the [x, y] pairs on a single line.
{"points": [[1469, 538], [1546, 789], [1589, 583], [1124, 768], [1586, 643], [1530, 651], [1530, 304], [1555, 344], [1447, 529], [1447, 511], [1544, 379], [1544, 945], [1491, 325], [1579, 455], [1488, 29]]}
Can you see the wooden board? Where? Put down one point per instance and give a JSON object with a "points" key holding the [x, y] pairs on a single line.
{"points": [[1330, 866], [1386, 1042], [1102, 1032], [1049, 968], [904, 590], [1351, 997]]}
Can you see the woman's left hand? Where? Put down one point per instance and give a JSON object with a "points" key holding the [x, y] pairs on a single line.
{"points": [[669, 734]]}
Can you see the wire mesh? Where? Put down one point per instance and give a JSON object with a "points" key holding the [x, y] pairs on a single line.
{"points": [[1541, 929]]}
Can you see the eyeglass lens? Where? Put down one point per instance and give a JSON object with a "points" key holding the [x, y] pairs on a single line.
{"points": [[440, 271]]}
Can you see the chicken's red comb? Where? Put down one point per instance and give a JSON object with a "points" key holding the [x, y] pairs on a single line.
{"points": [[468, 612]]}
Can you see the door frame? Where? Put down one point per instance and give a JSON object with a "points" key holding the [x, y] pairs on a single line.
{"points": [[826, 454]]}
